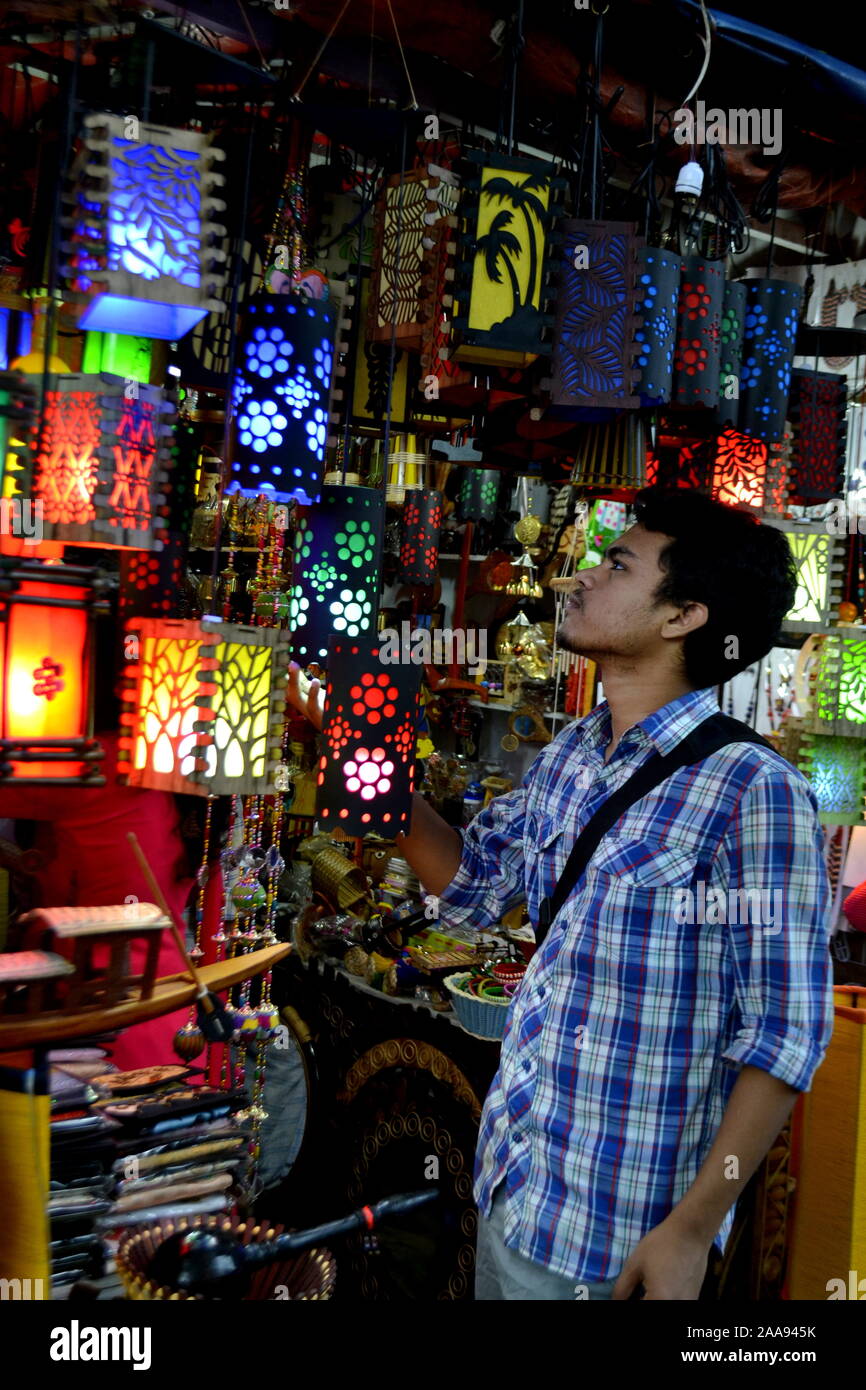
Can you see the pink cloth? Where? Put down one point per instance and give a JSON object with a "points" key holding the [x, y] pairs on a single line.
{"points": [[854, 907], [81, 834]]}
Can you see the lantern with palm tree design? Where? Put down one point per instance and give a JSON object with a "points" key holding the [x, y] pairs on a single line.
{"points": [[507, 210]]}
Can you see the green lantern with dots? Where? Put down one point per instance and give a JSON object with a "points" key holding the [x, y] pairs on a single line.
{"points": [[479, 490], [337, 564]]}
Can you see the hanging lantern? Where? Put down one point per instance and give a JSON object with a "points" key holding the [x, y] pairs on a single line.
{"points": [[419, 544], [836, 769], [769, 339], [594, 340], [820, 568], [281, 398], [405, 228], [817, 413], [100, 461], [204, 706], [507, 208], [47, 665], [612, 455], [749, 473], [119, 354], [658, 289], [443, 379], [838, 686], [336, 573], [731, 337], [479, 491], [150, 581], [145, 254], [375, 391], [697, 356], [366, 772]]}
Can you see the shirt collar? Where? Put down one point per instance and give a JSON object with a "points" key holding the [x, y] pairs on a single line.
{"points": [[665, 727]]}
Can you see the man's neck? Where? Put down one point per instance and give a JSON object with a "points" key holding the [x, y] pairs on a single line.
{"points": [[633, 693]]}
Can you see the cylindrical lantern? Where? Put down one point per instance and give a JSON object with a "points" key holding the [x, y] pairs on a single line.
{"points": [[419, 545], [150, 581], [733, 319], [697, 357], [281, 398], [144, 249], [817, 414], [658, 283], [769, 337], [46, 664], [337, 564], [479, 490], [366, 772]]}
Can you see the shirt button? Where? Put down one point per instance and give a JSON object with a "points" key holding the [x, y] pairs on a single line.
{"points": [[541, 991], [527, 1066]]}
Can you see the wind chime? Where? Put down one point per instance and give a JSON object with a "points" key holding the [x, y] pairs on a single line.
{"points": [[524, 582]]}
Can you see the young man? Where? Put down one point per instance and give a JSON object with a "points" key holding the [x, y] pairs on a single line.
{"points": [[664, 1027]]}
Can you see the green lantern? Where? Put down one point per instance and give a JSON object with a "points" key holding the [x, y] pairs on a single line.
{"points": [[336, 570]]}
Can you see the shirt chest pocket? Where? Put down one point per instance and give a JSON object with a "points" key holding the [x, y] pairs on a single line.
{"points": [[644, 863]]}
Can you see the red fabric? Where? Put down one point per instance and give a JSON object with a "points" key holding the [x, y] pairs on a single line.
{"points": [[854, 907], [81, 834]]}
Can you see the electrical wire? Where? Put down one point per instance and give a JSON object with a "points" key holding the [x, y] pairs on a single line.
{"points": [[707, 40]]}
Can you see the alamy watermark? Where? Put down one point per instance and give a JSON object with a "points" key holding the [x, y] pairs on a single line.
{"points": [[20, 516], [753, 126], [440, 647], [737, 906]]}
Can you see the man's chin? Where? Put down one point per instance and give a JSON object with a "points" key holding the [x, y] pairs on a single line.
{"points": [[569, 642]]}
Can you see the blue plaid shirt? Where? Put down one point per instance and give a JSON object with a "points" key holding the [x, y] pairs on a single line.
{"points": [[696, 942]]}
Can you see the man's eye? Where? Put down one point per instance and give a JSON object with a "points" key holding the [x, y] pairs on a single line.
{"points": [[616, 564]]}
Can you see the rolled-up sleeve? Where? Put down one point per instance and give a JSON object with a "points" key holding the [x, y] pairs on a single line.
{"points": [[781, 961], [492, 873]]}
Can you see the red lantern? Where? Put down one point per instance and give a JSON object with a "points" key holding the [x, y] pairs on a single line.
{"points": [[46, 662]]}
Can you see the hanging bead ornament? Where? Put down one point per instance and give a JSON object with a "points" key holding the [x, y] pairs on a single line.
{"points": [[524, 581], [189, 1041]]}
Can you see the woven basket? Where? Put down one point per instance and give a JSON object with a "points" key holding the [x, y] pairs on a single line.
{"points": [[483, 1018]]}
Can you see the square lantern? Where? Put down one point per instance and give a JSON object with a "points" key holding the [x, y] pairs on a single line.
{"points": [[406, 228], [375, 392], [817, 414], [145, 255], [820, 567], [336, 570], [46, 659], [100, 461], [594, 345], [503, 300], [442, 377], [836, 769], [749, 472], [366, 774], [204, 706], [281, 398], [838, 685]]}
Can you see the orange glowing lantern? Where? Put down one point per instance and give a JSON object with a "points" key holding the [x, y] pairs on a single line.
{"points": [[46, 662]]}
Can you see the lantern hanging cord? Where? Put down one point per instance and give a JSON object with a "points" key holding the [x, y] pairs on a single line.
{"points": [[246, 19], [322, 46], [414, 102], [707, 41]]}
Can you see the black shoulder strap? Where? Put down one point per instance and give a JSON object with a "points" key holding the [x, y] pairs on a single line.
{"points": [[715, 733]]}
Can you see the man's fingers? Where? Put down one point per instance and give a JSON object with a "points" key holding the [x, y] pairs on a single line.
{"points": [[626, 1283]]}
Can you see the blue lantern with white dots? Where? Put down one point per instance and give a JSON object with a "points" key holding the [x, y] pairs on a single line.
{"points": [[281, 398], [769, 342]]}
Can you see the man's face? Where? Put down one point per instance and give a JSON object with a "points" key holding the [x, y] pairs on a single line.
{"points": [[613, 614]]}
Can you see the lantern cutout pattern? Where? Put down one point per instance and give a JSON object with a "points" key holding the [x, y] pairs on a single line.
{"points": [[479, 491], [769, 340], [99, 462], [150, 581], [697, 356], [507, 210], [46, 660], [419, 543], [658, 289], [146, 258], [376, 391], [204, 704], [406, 231], [366, 773], [281, 398], [836, 768], [820, 567], [731, 337], [748, 472], [838, 686], [336, 570], [816, 412], [594, 340]]}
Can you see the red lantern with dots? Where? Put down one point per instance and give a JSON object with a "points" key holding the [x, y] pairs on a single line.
{"points": [[150, 581], [366, 773], [698, 348], [419, 548]]}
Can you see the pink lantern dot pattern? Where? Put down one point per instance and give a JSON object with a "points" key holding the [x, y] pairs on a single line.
{"points": [[369, 773]]}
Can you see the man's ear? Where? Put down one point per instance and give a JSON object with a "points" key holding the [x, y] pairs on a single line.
{"points": [[688, 619]]}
